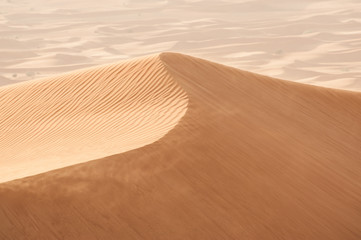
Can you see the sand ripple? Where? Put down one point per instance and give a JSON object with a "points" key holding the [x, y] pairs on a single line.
{"points": [[87, 114]]}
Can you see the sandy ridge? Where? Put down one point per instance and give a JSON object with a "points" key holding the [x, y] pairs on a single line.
{"points": [[86, 114], [253, 157]]}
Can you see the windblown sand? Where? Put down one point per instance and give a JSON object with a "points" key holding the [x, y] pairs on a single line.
{"points": [[209, 152]]}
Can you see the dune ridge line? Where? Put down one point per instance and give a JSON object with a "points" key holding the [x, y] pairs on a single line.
{"points": [[87, 114], [253, 158]]}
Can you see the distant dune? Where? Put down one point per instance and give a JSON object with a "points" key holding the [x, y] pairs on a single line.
{"points": [[310, 41], [185, 149]]}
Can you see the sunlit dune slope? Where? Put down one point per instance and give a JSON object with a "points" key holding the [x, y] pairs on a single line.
{"points": [[252, 158], [86, 114]]}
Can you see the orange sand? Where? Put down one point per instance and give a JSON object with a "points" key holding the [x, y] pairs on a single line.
{"points": [[252, 158]]}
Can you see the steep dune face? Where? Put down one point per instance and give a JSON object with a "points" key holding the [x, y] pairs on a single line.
{"points": [[85, 115], [252, 158]]}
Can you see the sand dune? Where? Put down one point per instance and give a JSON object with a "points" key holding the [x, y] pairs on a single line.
{"points": [[252, 157], [84, 115], [306, 41]]}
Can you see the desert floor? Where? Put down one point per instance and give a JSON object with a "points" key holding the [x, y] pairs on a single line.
{"points": [[310, 41]]}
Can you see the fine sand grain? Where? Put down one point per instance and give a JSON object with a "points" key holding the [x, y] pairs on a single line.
{"points": [[212, 152], [84, 115]]}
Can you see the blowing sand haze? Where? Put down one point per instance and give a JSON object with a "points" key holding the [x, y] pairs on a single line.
{"points": [[170, 146]]}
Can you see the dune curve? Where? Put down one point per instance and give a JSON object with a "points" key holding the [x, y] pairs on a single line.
{"points": [[87, 114], [253, 158]]}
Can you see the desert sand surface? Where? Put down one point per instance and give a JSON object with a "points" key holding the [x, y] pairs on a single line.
{"points": [[84, 115], [226, 154], [310, 41]]}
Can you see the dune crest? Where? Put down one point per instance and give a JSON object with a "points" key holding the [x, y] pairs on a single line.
{"points": [[87, 114], [253, 158]]}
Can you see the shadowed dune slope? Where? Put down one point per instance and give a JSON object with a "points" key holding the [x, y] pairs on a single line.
{"points": [[252, 158], [84, 115]]}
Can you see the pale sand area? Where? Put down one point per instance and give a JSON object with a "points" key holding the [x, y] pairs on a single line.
{"points": [[243, 156], [87, 114], [317, 42]]}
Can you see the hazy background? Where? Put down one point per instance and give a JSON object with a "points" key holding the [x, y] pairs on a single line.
{"points": [[314, 41]]}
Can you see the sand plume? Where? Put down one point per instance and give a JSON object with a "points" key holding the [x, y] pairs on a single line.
{"points": [[252, 158]]}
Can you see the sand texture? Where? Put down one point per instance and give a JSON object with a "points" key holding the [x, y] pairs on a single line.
{"points": [[205, 151], [310, 41], [84, 115]]}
